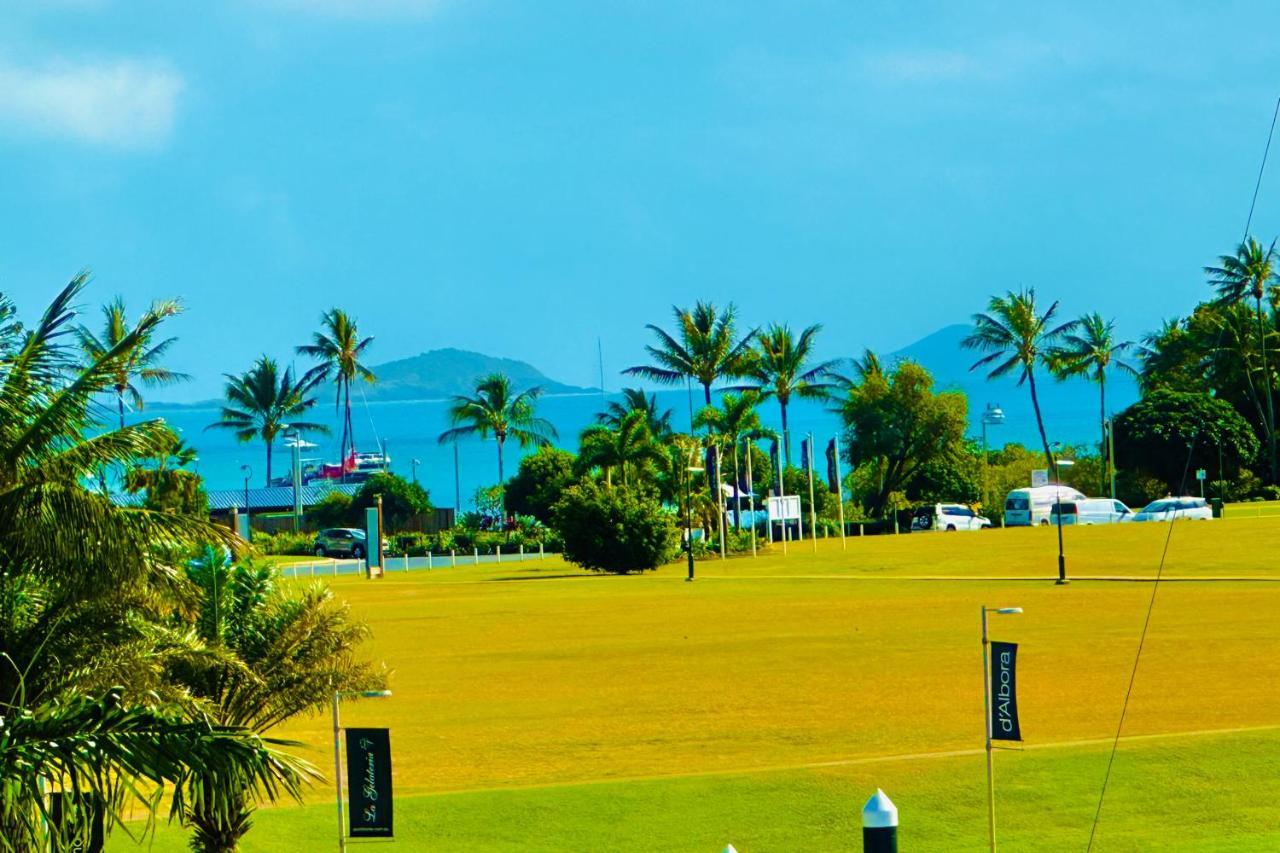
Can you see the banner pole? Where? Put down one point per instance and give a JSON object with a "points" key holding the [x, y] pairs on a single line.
{"points": [[986, 713], [337, 771], [751, 497]]}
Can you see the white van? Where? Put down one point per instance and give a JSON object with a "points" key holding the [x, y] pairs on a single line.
{"points": [[1091, 511], [1028, 507]]}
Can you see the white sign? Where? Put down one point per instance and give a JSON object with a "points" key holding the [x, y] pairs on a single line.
{"points": [[1039, 477], [1200, 474], [785, 508]]}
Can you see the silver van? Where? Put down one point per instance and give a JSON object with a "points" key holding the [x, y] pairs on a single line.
{"points": [[1028, 507], [1090, 511]]}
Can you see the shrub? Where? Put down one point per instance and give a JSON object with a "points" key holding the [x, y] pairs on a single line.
{"points": [[614, 529], [333, 510], [401, 499], [541, 480], [284, 543]]}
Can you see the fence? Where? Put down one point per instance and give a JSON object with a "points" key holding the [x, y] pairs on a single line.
{"points": [[330, 567]]}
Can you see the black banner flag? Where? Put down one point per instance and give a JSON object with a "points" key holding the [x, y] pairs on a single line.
{"points": [[833, 475], [804, 454], [774, 466], [1004, 692], [369, 782]]}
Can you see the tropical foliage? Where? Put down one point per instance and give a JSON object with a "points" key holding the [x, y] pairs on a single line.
{"points": [[338, 349], [782, 367], [618, 530], [142, 365]]}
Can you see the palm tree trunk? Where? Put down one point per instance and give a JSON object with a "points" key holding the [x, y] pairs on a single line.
{"points": [[737, 501], [786, 433], [346, 421], [1266, 378], [1102, 421], [120, 406], [1035, 404], [268, 464], [502, 485]]}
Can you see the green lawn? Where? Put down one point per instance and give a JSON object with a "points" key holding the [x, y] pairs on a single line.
{"points": [[540, 708]]}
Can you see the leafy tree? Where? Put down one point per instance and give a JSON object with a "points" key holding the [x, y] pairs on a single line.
{"points": [[275, 653], [333, 510], [636, 400], [495, 410], [82, 693], [338, 348], [735, 420], [1251, 273], [782, 366], [617, 530], [705, 348], [1168, 433], [1088, 350], [401, 499], [541, 478], [143, 363], [1017, 337], [628, 447], [168, 486], [894, 420], [264, 402]]}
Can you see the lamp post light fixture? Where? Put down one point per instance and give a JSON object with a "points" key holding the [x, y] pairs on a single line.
{"points": [[337, 751], [986, 708], [1058, 465], [993, 416], [414, 463]]}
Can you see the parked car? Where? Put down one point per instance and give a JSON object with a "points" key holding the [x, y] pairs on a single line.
{"points": [[1027, 507], [1167, 509], [1090, 511], [342, 542], [947, 517]]}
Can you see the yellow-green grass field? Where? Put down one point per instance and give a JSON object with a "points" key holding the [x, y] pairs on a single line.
{"points": [[538, 707]]}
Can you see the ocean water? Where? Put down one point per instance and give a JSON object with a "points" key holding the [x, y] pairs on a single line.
{"points": [[410, 430]]}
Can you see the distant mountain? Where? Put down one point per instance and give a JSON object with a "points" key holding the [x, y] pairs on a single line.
{"points": [[941, 353], [442, 373], [434, 375]]}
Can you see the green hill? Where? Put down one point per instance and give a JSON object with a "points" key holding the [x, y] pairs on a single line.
{"points": [[442, 373]]}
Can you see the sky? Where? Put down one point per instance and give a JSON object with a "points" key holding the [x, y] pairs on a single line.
{"points": [[524, 178]]}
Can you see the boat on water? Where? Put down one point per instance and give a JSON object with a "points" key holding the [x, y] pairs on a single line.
{"points": [[356, 468]]}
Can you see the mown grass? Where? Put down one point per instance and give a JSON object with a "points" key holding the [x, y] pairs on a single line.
{"points": [[541, 708]]}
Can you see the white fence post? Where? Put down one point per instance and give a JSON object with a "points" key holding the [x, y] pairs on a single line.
{"points": [[498, 548], [453, 558]]}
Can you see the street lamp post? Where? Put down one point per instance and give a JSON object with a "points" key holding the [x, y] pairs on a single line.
{"points": [[993, 416], [337, 752], [248, 472], [1058, 465], [986, 709], [415, 463]]}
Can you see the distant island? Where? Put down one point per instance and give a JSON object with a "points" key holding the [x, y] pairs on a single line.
{"points": [[434, 375]]}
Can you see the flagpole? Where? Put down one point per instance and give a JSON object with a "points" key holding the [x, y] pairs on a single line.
{"points": [[751, 497], [986, 709], [813, 525], [839, 490]]}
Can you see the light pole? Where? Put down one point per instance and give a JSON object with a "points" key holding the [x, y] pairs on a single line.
{"points": [[1058, 465], [293, 438], [337, 751], [986, 713], [248, 472], [993, 416], [415, 463], [689, 471]]}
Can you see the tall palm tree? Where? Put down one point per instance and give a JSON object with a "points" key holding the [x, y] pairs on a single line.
{"points": [[1251, 273], [704, 349], [627, 447], [495, 410], [276, 652], [1017, 337], [1088, 350], [735, 420], [780, 367], [636, 400], [143, 364], [264, 402], [79, 578], [338, 348]]}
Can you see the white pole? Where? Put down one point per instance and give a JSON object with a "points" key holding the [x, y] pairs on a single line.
{"points": [[498, 548], [406, 559], [522, 552], [813, 525], [335, 567], [986, 725], [428, 559], [720, 501], [751, 498], [475, 555], [453, 558], [541, 555], [337, 773]]}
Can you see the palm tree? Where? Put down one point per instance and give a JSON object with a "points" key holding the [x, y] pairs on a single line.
{"points": [[1088, 350], [495, 410], [1017, 337], [636, 400], [143, 363], [276, 653], [79, 577], [734, 421], [1251, 273], [338, 348], [264, 401], [704, 349], [628, 446], [780, 367]]}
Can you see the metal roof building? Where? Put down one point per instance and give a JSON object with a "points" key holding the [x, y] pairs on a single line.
{"points": [[270, 499]]}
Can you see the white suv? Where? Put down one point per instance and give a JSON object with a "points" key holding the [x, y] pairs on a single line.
{"points": [[948, 517]]}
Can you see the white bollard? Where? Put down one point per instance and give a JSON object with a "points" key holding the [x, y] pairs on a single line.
{"points": [[498, 548], [475, 555], [406, 559], [428, 561], [335, 567], [541, 556], [453, 558], [729, 848], [879, 824], [522, 552]]}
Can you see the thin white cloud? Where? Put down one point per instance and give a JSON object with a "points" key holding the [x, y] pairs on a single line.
{"points": [[124, 103], [925, 65], [366, 9]]}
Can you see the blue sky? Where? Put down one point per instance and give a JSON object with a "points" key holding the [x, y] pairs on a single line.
{"points": [[520, 178]]}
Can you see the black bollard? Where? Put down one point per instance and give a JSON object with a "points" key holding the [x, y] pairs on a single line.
{"points": [[879, 825]]}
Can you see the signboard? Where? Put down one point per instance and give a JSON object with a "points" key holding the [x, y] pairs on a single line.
{"points": [[1039, 477], [785, 508], [369, 782], [1004, 692], [68, 814], [1200, 474], [373, 537], [245, 530]]}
